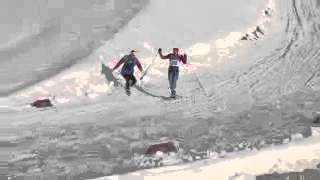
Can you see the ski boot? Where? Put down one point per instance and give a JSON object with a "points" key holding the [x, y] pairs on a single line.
{"points": [[128, 92], [173, 94]]}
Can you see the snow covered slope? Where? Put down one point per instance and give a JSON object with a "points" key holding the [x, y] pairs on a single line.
{"points": [[44, 37], [212, 29], [235, 93]]}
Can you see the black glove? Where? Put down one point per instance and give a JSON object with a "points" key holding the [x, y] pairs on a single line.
{"points": [[159, 50]]}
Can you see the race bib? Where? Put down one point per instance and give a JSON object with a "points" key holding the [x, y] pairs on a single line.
{"points": [[174, 62]]}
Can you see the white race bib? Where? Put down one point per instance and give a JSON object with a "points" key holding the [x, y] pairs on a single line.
{"points": [[174, 62]]}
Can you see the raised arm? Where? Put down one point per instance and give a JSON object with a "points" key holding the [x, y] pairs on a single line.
{"points": [[162, 56], [183, 58]]}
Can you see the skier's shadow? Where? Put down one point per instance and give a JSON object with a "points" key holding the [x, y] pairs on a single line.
{"points": [[107, 72], [150, 94]]}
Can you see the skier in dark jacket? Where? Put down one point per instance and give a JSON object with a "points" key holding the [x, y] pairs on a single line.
{"points": [[173, 72], [127, 71]]}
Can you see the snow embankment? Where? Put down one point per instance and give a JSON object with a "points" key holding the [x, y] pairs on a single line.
{"points": [[295, 156]]}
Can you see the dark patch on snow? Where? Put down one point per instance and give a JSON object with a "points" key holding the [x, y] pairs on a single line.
{"points": [[42, 103], [317, 119], [166, 147]]}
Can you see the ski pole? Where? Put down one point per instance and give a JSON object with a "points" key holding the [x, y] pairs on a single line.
{"points": [[147, 69], [200, 84]]}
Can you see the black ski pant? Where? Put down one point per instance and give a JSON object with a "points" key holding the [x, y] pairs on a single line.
{"points": [[130, 80]]}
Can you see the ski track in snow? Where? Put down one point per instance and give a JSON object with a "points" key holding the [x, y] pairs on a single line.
{"points": [[292, 65]]}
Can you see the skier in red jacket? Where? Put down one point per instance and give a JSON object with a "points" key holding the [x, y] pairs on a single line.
{"points": [[175, 59], [127, 71]]}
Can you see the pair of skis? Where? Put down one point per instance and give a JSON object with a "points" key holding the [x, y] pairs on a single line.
{"points": [[148, 68]]}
